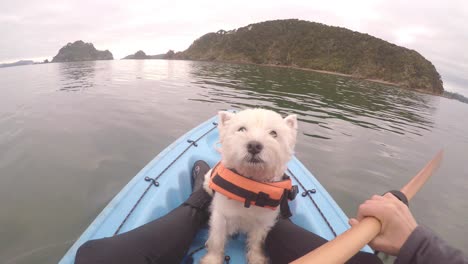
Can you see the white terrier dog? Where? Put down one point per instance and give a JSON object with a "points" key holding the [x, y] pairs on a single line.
{"points": [[256, 144]]}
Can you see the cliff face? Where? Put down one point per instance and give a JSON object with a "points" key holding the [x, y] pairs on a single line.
{"points": [[320, 47], [81, 51]]}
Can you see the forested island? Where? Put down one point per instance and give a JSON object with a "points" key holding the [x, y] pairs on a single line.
{"points": [[310, 45], [298, 44]]}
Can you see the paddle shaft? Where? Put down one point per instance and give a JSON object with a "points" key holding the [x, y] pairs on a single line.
{"points": [[346, 245], [413, 186]]}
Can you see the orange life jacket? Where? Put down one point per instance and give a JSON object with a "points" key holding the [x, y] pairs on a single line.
{"points": [[250, 192]]}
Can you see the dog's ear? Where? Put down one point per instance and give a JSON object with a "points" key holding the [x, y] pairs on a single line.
{"points": [[291, 121], [223, 117]]}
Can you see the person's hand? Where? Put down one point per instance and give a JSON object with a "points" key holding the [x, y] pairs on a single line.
{"points": [[397, 222]]}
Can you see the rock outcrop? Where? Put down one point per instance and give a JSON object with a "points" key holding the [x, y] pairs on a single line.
{"points": [[141, 55], [81, 51]]}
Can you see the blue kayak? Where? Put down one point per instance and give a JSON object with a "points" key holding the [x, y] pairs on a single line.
{"points": [[164, 184]]}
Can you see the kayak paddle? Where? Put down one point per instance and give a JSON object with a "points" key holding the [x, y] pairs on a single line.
{"points": [[346, 245]]}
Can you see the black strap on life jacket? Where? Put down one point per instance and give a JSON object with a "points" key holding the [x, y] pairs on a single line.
{"points": [[261, 199]]}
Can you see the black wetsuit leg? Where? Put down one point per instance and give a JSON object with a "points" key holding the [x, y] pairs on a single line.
{"points": [[164, 240], [167, 239]]}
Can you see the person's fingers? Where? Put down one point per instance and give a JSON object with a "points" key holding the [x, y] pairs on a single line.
{"points": [[375, 209], [375, 206], [390, 198], [353, 221], [373, 202], [377, 197], [360, 215]]}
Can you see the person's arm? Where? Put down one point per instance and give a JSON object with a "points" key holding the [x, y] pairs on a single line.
{"points": [[423, 246], [402, 237]]}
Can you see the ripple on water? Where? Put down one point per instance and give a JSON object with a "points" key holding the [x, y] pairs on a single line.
{"points": [[72, 134]]}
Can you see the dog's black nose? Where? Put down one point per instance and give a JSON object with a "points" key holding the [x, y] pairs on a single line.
{"points": [[254, 147]]}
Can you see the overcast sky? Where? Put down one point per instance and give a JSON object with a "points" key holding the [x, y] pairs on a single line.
{"points": [[38, 29]]}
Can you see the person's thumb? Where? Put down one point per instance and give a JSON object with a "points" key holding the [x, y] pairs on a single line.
{"points": [[353, 221]]}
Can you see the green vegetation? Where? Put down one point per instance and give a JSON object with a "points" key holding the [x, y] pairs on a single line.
{"points": [[80, 51], [316, 46]]}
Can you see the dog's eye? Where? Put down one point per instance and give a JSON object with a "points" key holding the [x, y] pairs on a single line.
{"points": [[242, 129], [273, 133]]}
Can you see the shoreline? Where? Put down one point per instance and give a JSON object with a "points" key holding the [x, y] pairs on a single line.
{"points": [[423, 91], [396, 85], [287, 67], [332, 73]]}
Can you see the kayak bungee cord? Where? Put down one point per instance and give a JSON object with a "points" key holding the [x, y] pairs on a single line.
{"points": [[154, 181], [194, 143], [307, 193]]}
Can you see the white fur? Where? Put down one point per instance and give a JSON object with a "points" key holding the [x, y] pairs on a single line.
{"points": [[230, 216]]}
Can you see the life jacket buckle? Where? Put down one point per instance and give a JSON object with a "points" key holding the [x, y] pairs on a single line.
{"points": [[293, 192], [261, 199]]}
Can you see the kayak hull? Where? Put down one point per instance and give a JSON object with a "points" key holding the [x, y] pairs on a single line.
{"points": [[164, 184]]}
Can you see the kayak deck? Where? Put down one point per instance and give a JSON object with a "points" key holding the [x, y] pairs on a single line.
{"points": [[164, 184]]}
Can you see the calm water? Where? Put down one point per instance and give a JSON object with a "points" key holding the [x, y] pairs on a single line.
{"points": [[73, 134]]}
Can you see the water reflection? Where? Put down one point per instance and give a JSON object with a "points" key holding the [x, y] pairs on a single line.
{"points": [[317, 98], [76, 76]]}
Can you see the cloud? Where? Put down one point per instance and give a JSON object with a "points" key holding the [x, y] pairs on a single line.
{"points": [[436, 29]]}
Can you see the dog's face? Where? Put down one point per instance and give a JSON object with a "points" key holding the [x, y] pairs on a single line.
{"points": [[257, 143]]}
